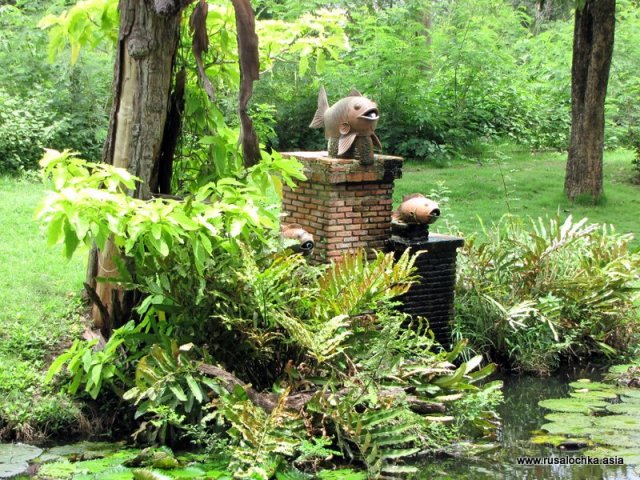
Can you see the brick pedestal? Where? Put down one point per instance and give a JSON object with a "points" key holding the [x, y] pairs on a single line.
{"points": [[343, 204], [432, 295]]}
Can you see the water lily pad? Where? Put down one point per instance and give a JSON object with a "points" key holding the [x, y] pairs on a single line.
{"points": [[561, 441], [562, 428], [618, 422], [571, 419], [594, 394], [15, 457], [59, 470], [576, 405], [616, 440], [115, 473], [629, 408], [629, 392], [589, 385]]}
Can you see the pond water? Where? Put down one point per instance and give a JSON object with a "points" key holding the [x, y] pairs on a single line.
{"points": [[521, 415]]}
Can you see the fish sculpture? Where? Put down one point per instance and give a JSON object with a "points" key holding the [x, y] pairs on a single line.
{"points": [[297, 238], [349, 125], [417, 209]]}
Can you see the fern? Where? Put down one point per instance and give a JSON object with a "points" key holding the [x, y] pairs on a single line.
{"points": [[262, 439], [355, 285]]}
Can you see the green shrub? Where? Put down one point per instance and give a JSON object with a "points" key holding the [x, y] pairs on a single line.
{"points": [[534, 296], [26, 128]]}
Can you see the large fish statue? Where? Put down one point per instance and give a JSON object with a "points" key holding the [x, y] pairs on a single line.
{"points": [[349, 126]]}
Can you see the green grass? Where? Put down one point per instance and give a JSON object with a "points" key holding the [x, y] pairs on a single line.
{"points": [[522, 183], [39, 291]]}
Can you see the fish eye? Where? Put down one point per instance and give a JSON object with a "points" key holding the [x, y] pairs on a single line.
{"points": [[357, 106]]}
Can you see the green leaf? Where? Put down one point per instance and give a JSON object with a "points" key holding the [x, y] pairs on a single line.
{"points": [[71, 240], [195, 388], [178, 392], [303, 65], [57, 364]]}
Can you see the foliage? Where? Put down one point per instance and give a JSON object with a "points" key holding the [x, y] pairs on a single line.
{"points": [[26, 127], [46, 104], [535, 295], [314, 351]]}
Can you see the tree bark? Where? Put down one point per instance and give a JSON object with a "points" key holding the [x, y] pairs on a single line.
{"points": [[148, 39], [593, 40]]}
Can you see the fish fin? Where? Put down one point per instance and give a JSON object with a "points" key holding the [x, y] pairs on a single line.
{"points": [[345, 143], [323, 105], [412, 195], [376, 140], [354, 93], [345, 128]]}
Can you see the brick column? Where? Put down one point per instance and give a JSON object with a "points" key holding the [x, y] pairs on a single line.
{"points": [[343, 204]]}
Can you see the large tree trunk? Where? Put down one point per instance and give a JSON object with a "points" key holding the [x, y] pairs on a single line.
{"points": [[592, 50], [148, 39]]}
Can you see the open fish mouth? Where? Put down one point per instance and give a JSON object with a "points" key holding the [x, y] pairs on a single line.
{"points": [[371, 114]]}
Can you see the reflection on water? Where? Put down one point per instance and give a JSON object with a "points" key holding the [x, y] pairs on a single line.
{"points": [[520, 416]]}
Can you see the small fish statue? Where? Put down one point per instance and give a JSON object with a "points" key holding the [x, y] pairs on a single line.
{"points": [[297, 238], [417, 209], [349, 126]]}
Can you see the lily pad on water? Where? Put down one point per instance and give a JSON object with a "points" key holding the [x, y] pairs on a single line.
{"points": [[594, 394], [15, 457], [633, 393], [629, 408], [88, 468], [81, 451], [563, 428], [589, 385], [573, 405], [617, 440], [115, 473], [618, 422], [561, 441], [572, 419]]}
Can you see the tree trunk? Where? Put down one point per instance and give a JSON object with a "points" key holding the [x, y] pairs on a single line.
{"points": [[592, 50], [148, 39]]}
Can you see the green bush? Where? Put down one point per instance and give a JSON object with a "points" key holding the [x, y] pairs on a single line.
{"points": [[535, 296], [26, 128]]}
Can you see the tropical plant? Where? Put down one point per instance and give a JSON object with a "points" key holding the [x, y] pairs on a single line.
{"points": [[536, 295]]}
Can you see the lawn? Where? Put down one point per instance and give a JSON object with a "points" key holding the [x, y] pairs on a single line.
{"points": [[522, 183], [39, 291]]}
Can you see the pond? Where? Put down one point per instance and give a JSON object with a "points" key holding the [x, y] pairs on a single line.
{"points": [[521, 415]]}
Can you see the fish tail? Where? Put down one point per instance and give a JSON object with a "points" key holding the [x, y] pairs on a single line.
{"points": [[323, 105]]}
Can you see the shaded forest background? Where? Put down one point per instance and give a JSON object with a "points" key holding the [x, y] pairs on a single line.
{"points": [[450, 76]]}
